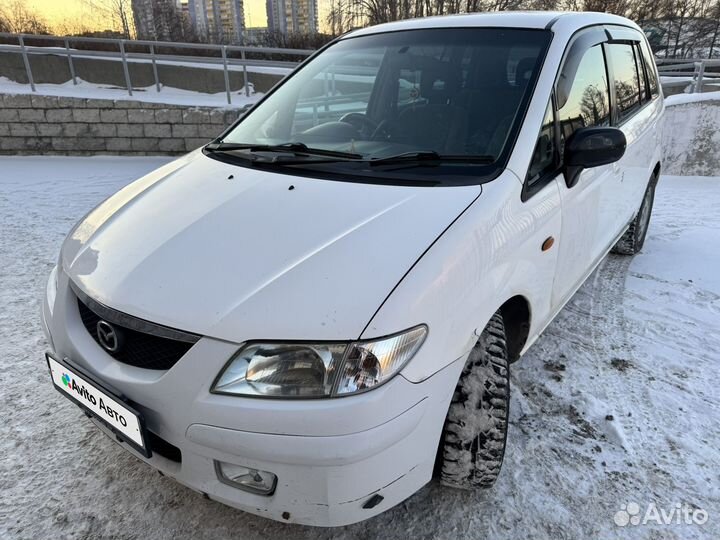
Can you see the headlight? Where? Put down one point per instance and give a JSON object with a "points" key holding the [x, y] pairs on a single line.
{"points": [[307, 370]]}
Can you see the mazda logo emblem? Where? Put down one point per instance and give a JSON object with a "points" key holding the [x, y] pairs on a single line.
{"points": [[108, 336]]}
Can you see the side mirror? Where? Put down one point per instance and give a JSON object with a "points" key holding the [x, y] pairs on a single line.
{"points": [[592, 147]]}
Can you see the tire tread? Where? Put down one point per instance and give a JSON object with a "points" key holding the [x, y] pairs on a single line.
{"points": [[473, 444]]}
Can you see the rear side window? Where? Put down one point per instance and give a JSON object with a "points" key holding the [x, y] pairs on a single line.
{"points": [[588, 102], [650, 69], [625, 79]]}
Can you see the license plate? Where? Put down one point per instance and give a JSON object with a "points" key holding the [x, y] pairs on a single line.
{"points": [[122, 419]]}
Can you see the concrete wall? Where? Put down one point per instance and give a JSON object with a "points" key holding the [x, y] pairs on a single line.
{"points": [[691, 138], [54, 69], [76, 126]]}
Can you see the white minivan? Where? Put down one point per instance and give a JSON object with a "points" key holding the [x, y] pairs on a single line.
{"points": [[313, 314]]}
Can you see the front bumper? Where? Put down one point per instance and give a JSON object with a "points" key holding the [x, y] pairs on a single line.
{"points": [[330, 455]]}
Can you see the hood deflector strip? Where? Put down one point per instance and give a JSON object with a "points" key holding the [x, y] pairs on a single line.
{"points": [[134, 323]]}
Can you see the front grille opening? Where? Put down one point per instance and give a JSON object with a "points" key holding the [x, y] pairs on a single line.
{"points": [[137, 349], [163, 448]]}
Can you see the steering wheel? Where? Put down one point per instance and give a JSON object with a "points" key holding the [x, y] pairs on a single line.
{"points": [[381, 131], [361, 122]]}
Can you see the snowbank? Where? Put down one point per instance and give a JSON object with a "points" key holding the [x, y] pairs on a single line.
{"points": [[167, 94], [681, 99]]}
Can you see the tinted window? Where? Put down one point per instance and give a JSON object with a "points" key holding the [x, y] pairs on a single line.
{"points": [[625, 79], [458, 92], [544, 156], [650, 68], [588, 102]]}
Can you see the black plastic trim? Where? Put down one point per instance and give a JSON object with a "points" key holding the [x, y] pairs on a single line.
{"points": [[133, 323], [552, 22], [163, 448], [529, 190], [623, 34], [373, 501], [579, 44]]}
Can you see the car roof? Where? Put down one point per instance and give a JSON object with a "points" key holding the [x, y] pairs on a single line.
{"points": [[564, 21]]}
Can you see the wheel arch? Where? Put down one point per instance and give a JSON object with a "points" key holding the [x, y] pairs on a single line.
{"points": [[656, 172], [516, 314]]}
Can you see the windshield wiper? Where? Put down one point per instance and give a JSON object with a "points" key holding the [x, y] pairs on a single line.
{"points": [[430, 157], [296, 148]]}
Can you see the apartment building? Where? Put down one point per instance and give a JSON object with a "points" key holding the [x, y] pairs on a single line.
{"points": [[156, 19], [221, 21], [292, 16]]}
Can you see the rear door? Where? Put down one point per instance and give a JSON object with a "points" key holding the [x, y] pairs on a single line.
{"points": [[636, 112]]}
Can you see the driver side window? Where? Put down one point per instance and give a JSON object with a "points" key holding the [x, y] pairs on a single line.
{"points": [[587, 104], [334, 92]]}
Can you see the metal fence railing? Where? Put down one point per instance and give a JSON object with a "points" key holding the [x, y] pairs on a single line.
{"points": [[127, 51], [690, 72]]}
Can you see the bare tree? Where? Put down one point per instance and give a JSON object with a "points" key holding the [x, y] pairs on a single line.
{"points": [[18, 18], [716, 30], [118, 12], [593, 105], [338, 17], [4, 23]]}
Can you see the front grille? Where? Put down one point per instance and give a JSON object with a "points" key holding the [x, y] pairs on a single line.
{"points": [[137, 348]]}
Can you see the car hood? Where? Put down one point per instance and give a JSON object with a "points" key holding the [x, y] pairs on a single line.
{"points": [[238, 253]]}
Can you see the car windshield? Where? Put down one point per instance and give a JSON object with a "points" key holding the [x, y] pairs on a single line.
{"points": [[451, 98]]}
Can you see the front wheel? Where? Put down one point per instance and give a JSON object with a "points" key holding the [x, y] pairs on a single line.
{"points": [[633, 240], [473, 443]]}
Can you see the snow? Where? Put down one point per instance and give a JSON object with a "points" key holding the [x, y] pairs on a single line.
{"points": [[149, 94], [681, 99], [616, 403]]}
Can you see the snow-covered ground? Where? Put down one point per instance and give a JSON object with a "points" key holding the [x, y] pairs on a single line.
{"points": [[617, 403], [167, 94]]}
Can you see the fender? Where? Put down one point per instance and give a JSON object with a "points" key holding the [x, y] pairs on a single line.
{"points": [[490, 254]]}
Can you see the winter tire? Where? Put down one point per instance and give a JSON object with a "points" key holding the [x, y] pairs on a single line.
{"points": [[473, 443]]}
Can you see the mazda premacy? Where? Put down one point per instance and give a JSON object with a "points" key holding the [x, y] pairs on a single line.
{"points": [[315, 313]]}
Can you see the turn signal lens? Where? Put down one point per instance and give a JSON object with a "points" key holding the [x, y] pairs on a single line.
{"points": [[370, 363]]}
